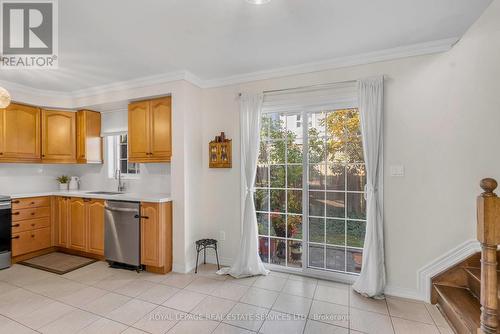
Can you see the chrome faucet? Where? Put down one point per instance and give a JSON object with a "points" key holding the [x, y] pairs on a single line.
{"points": [[118, 176]]}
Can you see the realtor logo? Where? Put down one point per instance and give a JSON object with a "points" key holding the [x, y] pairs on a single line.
{"points": [[29, 34]]}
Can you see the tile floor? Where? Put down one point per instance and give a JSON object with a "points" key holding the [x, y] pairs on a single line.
{"points": [[97, 299]]}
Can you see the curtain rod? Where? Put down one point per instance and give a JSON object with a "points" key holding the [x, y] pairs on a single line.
{"points": [[302, 87]]}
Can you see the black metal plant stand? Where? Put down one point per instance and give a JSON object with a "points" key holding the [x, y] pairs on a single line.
{"points": [[202, 245]]}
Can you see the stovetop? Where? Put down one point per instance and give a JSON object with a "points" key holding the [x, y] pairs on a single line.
{"points": [[4, 198]]}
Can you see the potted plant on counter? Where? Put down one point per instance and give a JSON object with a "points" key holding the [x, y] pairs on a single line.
{"points": [[63, 182]]}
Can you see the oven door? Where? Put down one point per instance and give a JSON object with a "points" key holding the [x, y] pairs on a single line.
{"points": [[5, 227]]}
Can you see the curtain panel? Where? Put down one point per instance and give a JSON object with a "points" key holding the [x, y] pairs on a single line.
{"points": [[372, 280], [248, 262]]}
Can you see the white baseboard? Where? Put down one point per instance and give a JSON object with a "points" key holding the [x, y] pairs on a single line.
{"points": [[223, 261], [396, 291], [447, 260]]}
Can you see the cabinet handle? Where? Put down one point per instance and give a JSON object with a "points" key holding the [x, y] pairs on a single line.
{"points": [[1, 153], [43, 155], [16, 225], [32, 203], [142, 217], [32, 235], [16, 201], [16, 213], [33, 224], [32, 213], [16, 237]]}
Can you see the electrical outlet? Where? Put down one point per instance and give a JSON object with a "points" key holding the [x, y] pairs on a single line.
{"points": [[222, 235]]}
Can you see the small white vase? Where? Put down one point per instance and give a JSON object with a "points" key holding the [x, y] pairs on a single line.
{"points": [[63, 186]]}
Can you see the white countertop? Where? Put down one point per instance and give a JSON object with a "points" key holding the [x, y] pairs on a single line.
{"points": [[134, 197]]}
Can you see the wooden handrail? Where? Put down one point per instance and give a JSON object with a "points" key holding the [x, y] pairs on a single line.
{"points": [[488, 234]]}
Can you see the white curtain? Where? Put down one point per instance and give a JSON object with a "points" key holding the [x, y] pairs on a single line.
{"points": [[371, 282], [248, 262]]}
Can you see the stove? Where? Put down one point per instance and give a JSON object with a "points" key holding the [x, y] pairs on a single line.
{"points": [[5, 232]]}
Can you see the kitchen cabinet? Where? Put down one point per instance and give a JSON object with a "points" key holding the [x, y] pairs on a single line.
{"points": [[20, 134], [31, 230], [95, 225], [61, 221], [58, 136], [89, 141], [77, 225], [150, 130], [156, 236], [80, 224]]}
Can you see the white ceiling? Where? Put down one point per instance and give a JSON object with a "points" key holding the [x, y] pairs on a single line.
{"points": [[102, 42]]}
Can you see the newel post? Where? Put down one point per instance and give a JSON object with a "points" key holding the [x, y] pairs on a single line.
{"points": [[488, 234]]}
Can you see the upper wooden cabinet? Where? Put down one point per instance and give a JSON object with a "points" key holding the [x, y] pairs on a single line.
{"points": [[150, 130], [89, 141], [19, 134], [58, 136]]}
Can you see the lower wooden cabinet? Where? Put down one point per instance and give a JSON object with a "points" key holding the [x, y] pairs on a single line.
{"points": [[156, 236], [95, 226], [61, 221], [31, 229], [30, 241], [77, 225], [80, 224]]}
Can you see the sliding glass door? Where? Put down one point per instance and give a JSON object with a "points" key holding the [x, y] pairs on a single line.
{"points": [[309, 195]]}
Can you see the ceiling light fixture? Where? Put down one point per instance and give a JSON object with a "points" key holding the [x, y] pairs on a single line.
{"points": [[4, 98], [258, 2]]}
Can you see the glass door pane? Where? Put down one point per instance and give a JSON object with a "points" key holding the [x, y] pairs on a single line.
{"points": [[279, 188], [335, 187]]}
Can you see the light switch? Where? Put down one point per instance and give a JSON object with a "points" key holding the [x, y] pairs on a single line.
{"points": [[397, 170]]}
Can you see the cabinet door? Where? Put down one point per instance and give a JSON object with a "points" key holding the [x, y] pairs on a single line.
{"points": [[62, 215], [58, 136], [95, 223], [81, 135], [161, 129], [139, 125], [150, 235], [77, 225], [89, 141], [20, 133]]}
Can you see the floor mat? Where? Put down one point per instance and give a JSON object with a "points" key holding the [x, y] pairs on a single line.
{"points": [[58, 263]]}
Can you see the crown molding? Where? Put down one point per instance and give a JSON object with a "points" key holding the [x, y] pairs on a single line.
{"points": [[361, 59], [134, 84], [154, 80]]}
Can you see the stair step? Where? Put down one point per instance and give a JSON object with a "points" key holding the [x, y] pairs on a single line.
{"points": [[474, 281], [460, 306]]}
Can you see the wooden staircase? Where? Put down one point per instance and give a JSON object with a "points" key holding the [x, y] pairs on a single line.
{"points": [[467, 293]]}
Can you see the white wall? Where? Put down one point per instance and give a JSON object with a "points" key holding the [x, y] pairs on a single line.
{"points": [[27, 178], [442, 114]]}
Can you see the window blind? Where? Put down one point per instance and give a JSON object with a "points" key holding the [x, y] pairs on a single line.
{"points": [[314, 98]]}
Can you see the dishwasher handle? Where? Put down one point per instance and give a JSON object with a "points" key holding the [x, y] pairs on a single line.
{"points": [[120, 209]]}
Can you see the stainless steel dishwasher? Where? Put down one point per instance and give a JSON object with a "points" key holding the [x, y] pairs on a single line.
{"points": [[122, 238]]}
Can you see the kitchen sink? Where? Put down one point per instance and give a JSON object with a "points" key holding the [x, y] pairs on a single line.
{"points": [[104, 192]]}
